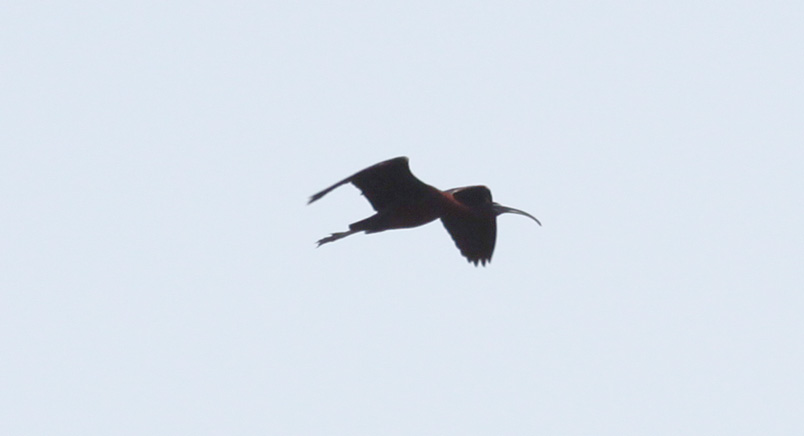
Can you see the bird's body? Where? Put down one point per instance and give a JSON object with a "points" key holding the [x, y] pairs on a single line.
{"points": [[403, 201]]}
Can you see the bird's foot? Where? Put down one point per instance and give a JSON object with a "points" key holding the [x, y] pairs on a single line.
{"points": [[334, 237]]}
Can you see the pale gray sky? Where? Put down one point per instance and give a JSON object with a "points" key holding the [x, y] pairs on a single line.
{"points": [[158, 269]]}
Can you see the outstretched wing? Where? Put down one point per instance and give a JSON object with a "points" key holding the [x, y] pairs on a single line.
{"points": [[474, 229], [383, 183]]}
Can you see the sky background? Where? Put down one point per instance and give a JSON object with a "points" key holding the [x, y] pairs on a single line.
{"points": [[158, 269]]}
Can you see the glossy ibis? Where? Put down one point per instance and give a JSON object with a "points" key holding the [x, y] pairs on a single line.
{"points": [[403, 201]]}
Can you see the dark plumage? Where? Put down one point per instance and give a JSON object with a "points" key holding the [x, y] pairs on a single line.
{"points": [[403, 201]]}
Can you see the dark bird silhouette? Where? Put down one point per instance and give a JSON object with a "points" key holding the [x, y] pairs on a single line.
{"points": [[403, 201]]}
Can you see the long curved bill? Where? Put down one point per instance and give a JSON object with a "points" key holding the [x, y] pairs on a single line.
{"points": [[500, 209]]}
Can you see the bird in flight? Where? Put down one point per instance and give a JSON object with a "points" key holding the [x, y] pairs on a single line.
{"points": [[403, 201]]}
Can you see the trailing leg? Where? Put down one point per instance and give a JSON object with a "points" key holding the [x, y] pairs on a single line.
{"points": [[372, 224], [336, 236]]}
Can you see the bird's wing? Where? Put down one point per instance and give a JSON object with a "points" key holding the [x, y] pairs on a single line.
{"points": [[473, 231], [474, 236], [383, 183]]}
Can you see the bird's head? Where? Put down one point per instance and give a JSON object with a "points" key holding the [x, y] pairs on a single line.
{"points": [[500, 209]]}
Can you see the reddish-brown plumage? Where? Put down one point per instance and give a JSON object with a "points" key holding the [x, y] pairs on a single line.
{"points": [[403, 201]]}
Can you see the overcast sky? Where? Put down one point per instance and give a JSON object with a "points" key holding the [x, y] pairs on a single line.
{"points": [[158, 269]]}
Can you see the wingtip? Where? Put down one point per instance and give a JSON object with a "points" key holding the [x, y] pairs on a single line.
{"points": [[478, 262], [316, 196]]}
